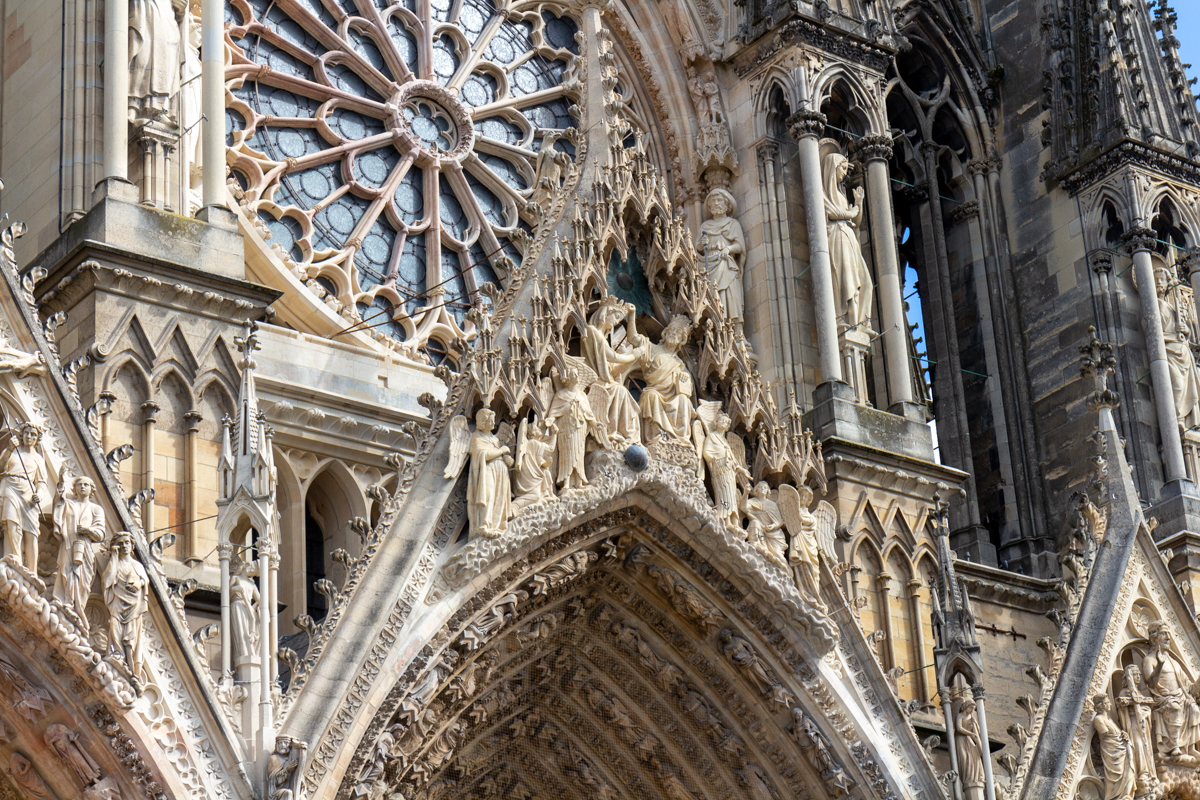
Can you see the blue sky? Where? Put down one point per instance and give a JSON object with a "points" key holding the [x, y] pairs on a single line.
{"points": [[1188, 33]]}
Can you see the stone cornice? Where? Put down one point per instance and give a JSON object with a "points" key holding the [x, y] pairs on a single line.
{"points": [[803, 31], [1129, 152]]}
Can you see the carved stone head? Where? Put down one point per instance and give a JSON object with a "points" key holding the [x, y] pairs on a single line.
{"points": [[485, 420], [84, 488], [29, 434], [761, 489], [122, 543], [720, 203], [677, 332]]}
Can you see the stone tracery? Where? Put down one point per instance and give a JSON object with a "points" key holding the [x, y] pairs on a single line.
{"points": [[396, 157]]}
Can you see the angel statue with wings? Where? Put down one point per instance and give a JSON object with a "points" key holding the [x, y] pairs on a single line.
{"points": [[533, 474], [786, 510], [571, 419], [489, 490], [725, 456]]}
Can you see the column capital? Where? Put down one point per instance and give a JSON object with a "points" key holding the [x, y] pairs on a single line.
{"points": [[224, 551], [982, 166], [1190, 262], [964, 211], [946, 694], [977, 691], [193, 418], [914, 587], [150, 409], [806, 123], [875, 146], [1139, 239], [1101, 261]]}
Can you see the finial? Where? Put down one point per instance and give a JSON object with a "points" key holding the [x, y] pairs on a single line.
{"points": [[1097, 362]]}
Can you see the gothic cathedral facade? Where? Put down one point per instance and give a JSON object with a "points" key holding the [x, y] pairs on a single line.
{"points": [[681, 399]]}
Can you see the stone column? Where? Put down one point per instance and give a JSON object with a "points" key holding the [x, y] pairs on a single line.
{"points": [[947, 698], [212, 103], [1190, 263], [266, 724], [883, 582], [224, 551], [876, 150], [116, 89], [150, 409], [274, 610], [190, 504], [914, 612], [806, 127], [989, 784], [1140, 242]]}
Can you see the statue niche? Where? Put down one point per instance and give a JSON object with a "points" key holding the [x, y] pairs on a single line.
{"points": [[723, 247], [1176, 309], [853, 286], [154, 62]]}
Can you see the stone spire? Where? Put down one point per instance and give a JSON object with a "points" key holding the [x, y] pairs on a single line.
{"points": [[247, 465], [247, 521], [959, 664]]}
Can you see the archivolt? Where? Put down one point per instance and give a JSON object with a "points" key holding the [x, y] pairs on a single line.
{"points": [[616, 660]]}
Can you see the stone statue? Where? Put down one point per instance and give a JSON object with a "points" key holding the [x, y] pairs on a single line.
{"points": [[1176, 715], [126, 588], [22, 363], [969, 747], [243, 613], [765, 532], [489, 490], [23, 488], [853, 287], [79, 523], [723, 245], [612, 367], [802, 527], [742, 655], [191, 149], [725, 469], [62, 740], [571, 419], [103, 789], [1181, 362], [22, 772], [666, 402], [1114, 752], [533, 474], [1133, 704], [282, 766], [153, 56]]}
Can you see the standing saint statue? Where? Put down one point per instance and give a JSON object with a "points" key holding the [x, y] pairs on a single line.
{"points": [[1176, 715], [725, 469], [853, 287], [79, 524], [154, 62], [23, 488], [1114, 752], [1133, 705], [571, 419], [723, 246], [489, 489], [666, 402], [243, 613], [612, 367], [126, 588], [969, 745], [1181, 362]]}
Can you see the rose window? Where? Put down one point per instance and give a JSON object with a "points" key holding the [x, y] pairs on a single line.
{"points": [[390, 149]]}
